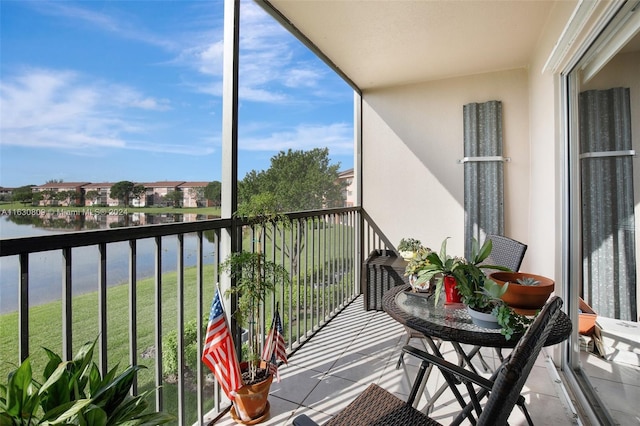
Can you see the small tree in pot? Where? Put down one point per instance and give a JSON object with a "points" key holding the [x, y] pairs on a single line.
{"points": [[255, 279]]}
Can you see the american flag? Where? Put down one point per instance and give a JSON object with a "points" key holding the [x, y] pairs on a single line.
{"points": [[274, 346], [219, 353]]}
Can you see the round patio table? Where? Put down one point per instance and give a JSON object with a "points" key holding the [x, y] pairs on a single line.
{"points": [[452, 322]]}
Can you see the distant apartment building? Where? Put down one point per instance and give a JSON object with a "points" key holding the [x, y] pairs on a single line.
{"points": [[61, 193], [348, 192], [193, 194], [5, 193], [98, 194], [158, 193]]}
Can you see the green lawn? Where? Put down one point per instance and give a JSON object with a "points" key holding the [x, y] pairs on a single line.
{"points": [[45, 324], [45, 321]]}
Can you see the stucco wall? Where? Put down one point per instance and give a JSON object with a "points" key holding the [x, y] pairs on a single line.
{"points": [[544, 236], [413, 139]]}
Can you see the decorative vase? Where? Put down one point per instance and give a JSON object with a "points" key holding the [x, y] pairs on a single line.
{"points": [[451, 290], [250, 405], [424, 287], [483, 319], [407, 254], [524, 299]]}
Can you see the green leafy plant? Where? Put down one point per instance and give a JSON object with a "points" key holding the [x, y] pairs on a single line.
{"points": [[510, 321], [191, 350], [418, 261], [409, 244], [528, 281], [427, 265], [472, 280], [483, 294], [75, 393], [255, 276]]}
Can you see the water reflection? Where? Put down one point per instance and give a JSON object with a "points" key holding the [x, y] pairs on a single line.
{"points": [[92, 218], [45, 268]]}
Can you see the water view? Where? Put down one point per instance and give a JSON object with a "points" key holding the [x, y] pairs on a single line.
{"points": [[45, 279]]}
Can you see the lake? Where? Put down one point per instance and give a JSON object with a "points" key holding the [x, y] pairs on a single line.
{"points": [[45, 268]]}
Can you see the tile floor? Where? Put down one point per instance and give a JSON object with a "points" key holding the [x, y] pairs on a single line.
{"points": [[617, 385], [360, 347]]}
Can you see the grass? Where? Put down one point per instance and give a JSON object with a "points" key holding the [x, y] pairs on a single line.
{"points": [[45, 322]]}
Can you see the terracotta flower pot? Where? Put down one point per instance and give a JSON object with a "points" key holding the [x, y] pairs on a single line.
{"points": [[524, 299], [251, 405]]}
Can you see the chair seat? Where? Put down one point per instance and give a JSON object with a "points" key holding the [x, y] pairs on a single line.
{"points": [[376, 406]]}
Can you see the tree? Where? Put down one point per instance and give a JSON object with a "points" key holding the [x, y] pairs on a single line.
{"points": [[138, 192], [37, 197], [23, 195], [48, 195], [68, 198], [197, 194], [213, 192], [295, 181], [175, 198], [299, 180], [122, 191], [92, 196]]}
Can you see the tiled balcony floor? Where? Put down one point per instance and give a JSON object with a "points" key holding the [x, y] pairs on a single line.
{"points": [[360, 347]]}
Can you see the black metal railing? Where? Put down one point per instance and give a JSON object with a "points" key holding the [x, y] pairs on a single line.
{"points": [[322, 250]]}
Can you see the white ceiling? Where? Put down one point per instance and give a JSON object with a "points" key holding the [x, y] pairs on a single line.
{"points": [[394, 42]]}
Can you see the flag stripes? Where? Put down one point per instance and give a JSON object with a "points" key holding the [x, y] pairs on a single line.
{"points": [[219, 353]]}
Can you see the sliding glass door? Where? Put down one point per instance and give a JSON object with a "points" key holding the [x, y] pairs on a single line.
{"points": [[603, 92]]}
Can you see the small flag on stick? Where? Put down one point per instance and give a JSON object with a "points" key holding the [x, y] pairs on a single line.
{"points": [[274, 347], [219, 353]]}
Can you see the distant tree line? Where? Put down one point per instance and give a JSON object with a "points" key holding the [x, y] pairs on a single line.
{"points": [[295, 181]]}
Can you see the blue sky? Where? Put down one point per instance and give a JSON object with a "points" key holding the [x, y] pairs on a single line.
{"points": [[102, 91]]}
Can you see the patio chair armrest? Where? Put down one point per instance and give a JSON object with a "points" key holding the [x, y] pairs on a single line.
{"points": [[442, 364]]}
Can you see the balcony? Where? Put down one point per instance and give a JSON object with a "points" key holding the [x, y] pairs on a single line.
{"points": [[336, 346], [361, 347], [135, 321]]}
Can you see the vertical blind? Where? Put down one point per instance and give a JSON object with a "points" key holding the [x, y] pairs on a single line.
{"points": [[608, 223], [483, 172]]}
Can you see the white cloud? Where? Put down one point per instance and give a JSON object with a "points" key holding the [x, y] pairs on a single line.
{"points": [[302, 77], [64, 110], [338, 137], [269, 69], [202, 149]]}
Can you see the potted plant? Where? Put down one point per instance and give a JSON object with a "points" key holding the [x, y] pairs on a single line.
{"points": [[484, 297], [255, 278], [429, 265], [75, 393], [407, 247], [527, 293], [417, 264]]}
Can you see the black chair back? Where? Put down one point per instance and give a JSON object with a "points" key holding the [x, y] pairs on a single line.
{"points": [[514, 372], [505, 252]]}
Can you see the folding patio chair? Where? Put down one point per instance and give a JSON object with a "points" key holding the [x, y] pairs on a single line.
{"points": [[376, 406]]}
